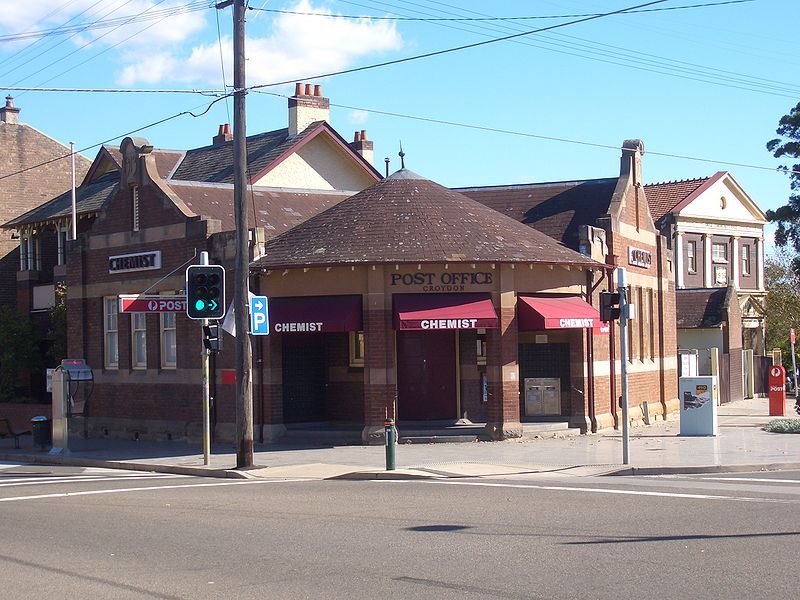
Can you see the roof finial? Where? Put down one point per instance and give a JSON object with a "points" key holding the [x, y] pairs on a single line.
{"points": [[402, 155]]}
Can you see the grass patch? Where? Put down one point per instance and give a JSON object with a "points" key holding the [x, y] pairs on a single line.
{"points": [[783, 426]]}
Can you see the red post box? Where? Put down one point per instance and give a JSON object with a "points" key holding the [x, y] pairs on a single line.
{"points": [[777, 391]]}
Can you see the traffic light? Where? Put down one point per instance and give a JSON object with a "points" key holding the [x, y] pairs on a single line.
{"points": [[205, 291], [211, 340], [609, 306]]}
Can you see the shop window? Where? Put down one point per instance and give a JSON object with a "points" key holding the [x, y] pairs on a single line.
{"points": [[481, 347], [745, 260], [356, 348], [169, 353], [719, 253], [691, 257], [139, 340], [110, 333]]}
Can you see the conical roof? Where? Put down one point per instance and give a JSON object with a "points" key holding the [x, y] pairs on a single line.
{"points": [[406, 218]]}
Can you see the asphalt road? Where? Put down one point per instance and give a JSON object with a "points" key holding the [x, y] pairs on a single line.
{"points": [[91, 533]]}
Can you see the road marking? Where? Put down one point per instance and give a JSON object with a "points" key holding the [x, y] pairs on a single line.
{"points": [[560, 488], [78, 479], [690, 478], [147, 489]]}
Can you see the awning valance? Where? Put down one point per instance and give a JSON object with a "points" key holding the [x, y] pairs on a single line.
{"points": [[557, 312], [315, 314], [444, 311]]}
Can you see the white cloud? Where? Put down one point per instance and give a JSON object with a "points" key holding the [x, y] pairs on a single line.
{"points": [[357, 117], [297, 46]]}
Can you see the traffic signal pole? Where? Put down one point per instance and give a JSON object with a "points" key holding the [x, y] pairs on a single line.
{"points": [[244, 359], [623, 359], [205, 362]]}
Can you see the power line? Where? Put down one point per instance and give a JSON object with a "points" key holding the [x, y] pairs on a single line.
{"points": [[549, 138], [132, 131], [105, 23], [116, 90], [707, 75], [518, 18], [458, 48]]}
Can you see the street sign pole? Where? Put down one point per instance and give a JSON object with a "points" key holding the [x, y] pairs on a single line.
{"points": [[794, 363], [205, 354], [623, 359]]}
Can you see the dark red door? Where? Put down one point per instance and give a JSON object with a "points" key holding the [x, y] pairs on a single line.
{"points": [[426, 375]]}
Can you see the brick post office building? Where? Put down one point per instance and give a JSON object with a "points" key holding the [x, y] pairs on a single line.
{"points": [[393, 297]]}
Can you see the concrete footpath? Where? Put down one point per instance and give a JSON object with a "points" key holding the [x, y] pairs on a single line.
{"points": [[741, 445]]}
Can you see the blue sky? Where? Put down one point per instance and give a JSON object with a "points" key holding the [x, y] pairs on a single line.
{"points": [[706, 82]]}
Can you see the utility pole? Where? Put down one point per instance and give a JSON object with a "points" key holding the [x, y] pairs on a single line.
{"points": [[244, 359]]}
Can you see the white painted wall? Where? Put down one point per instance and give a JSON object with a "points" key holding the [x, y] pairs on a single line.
{"points": [[708, 204]]}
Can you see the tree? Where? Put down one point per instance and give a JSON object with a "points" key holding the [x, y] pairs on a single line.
{"points": [[57, 332], [19, 353], [787, 217], [783, 301]]}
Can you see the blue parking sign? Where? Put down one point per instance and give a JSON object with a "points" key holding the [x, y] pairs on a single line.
{"points": [[259, 315]]}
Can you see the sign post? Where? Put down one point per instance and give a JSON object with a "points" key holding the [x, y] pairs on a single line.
{"points": [[794, 362], [623, 359], [259, 315]]}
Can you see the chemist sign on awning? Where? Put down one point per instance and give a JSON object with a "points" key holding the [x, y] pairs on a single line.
{"points": [[151, 303]]}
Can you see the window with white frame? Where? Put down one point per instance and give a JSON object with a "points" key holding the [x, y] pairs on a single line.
{"points": [[110, 333], [169, 354], [745, 260], [139, 340], [691, 256], [29, 259], [719, 253]]}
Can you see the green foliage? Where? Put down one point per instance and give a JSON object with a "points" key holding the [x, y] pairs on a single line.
{"points": [[19, 351], [783, 302], [783, 426], [787, 217], [57, 333]]}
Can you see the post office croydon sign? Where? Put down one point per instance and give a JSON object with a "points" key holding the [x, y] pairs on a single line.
{"points": [[448, 281], [142, 261], [639, 258], [151, 303]]}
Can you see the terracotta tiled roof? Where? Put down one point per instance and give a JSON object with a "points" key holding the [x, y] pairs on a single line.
{"points": [[89, 198], [276, 210], [663, 197], [556, 209], [702, 308], [408, 219]]}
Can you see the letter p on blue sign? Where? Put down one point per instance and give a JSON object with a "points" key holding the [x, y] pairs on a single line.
{"points": [[259, 315]]}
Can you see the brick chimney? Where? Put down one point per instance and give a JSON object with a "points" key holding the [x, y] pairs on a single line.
{"points": [[306, 106], [363, 146], [9, 114], [223, 136]]}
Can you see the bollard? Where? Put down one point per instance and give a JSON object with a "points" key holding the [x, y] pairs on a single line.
{"points": [[391, 438]]}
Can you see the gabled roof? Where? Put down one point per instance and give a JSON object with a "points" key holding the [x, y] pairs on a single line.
{"points": [[703, 308], [214, 164], [89, 199], [408, 219], [557, 209], [670, 196]]}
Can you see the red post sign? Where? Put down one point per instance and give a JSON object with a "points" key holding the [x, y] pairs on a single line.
{"points": [[777, 391], [151, 303]]}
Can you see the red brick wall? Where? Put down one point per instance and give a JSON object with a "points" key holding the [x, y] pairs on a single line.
{"points": [[20, 415]]}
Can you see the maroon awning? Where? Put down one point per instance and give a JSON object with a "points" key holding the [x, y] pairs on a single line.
{"points": [[558, 312], [444, 311], [315, 314]]}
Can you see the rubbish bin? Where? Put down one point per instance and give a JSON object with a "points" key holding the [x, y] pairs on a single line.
{"points": [[42, 429]]}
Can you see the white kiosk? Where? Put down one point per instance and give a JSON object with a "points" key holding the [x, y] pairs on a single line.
{"points": [[699, 397]]}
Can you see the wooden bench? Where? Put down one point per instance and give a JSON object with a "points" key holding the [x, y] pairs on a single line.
{"points": [[6, 430]]}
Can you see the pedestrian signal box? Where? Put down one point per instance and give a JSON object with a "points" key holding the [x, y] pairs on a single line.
{"points": [[609, 306], [205, 291]]}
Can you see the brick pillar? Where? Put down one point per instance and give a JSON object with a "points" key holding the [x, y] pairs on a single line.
{"points": [[272, 374], [502, 410], [380, 380]]}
